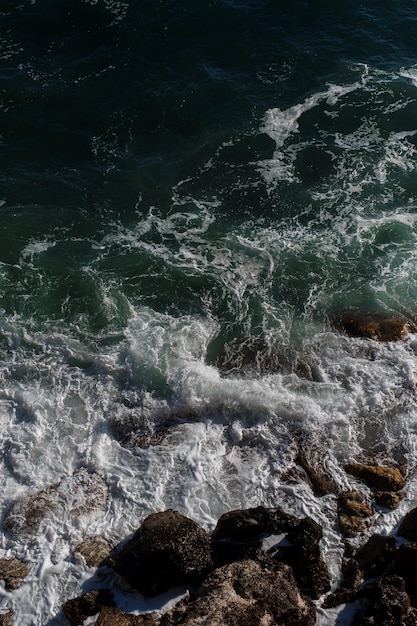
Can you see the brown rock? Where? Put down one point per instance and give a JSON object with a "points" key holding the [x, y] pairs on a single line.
{"points": [[113, 617], [166, 551], [6, 618], [380, 477], [376, 326], [13, 572], [343, 595], [310, 457], [244, 593], [78, 609], [353, 513], [388, 499], [94, 550], [408, 526], [80, 494]]}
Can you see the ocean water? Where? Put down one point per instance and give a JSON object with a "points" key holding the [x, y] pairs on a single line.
{"points": [[180, 180]]}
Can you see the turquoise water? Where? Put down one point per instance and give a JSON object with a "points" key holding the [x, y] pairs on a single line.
{"points": [[179, 179]]}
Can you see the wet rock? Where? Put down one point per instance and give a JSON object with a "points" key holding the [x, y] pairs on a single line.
{"points": [[375, 555], [387, 499], [166, 551], [80, 494], [90, 603], [408, 526], [244, 593], [13, 571], [6, 619], [352, 577], [379, 477], [239, 534], [310, 457], [376, 326], [310, 570], [136, 431], [94, 550], [114, 617], [405, 565], [342, 595], [388, 603], [353, 513]]}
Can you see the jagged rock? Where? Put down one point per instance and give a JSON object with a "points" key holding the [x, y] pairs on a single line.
{"points": [[379, 477], [310, 457], [90, 603], [252, 356], [6, 618], [80, 494], [113, 617], [408, 526], [13, 571], [353, 513], [94, 550], [166, 551], [238, 534], [388, 603], [376, 326], [352, 577], [375, 555], [244, 593], [310, 570], [342, 595]]}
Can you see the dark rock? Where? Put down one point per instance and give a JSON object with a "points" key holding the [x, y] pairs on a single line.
{"points": [[343, 595], [376, 326], [352, 577], [6, 619], [113, 617], [388, 603], [245, 594], [13, 572], [310, 457], [408, 526], [166, 551], [94, 550], [310, 570], [405, 565], [375, 555], [380, 477], [78, 609], [80, 494], [253, 356], [353, 513]]}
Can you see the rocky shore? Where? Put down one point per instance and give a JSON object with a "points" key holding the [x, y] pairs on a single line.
{"points": [[260, 566]]}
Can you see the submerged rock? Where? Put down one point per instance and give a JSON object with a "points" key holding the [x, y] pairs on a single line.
{"points": [[309, 457], [252, 356], [167, 550], [377, 326], [78, 609], [245, 594], [13, 571], [80, 494]]}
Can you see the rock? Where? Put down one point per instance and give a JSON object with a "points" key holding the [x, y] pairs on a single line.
{"points": [[166, 551], [375, 555], [113, 617], [387, 499], [408, 526], [90, 603], [352, 577], [94, 550], [6, 618], [13, 571], [376, 326], [80, 494], [353, 513], [253, 356], [342, 595], [405, 565], [310, 457], [380, 477], [388, 603], [310, 570], [244, 593]]}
